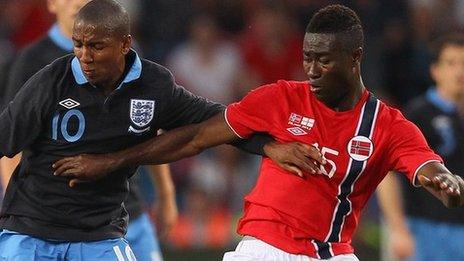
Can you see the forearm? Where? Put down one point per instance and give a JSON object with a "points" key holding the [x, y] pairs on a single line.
{"points": [[255, 144], [176, 144], [391, 203], [161, 177], [168, 147], [7, 167]]}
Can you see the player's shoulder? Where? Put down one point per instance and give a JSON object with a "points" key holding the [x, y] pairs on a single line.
{"points": [[57, 70], [292, 85], [153, 72], [282, 86], [419, 105], [60, 65], [391, 118]]}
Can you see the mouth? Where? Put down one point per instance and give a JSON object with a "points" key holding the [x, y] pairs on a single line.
{"points": [[315, 88], [89, 73]]}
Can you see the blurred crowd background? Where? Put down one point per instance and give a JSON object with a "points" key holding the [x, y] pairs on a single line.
{"points": [[221, 49]]}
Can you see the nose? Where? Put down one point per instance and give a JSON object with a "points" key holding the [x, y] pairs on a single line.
{"points": [[86, 55], [314, 70]]}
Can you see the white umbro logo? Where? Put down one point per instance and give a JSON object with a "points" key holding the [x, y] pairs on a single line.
{"points": [[297, 131], [69, 103]]}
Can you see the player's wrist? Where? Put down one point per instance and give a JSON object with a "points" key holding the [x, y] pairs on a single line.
{"points": [[114, 162], [268, 148], [461, 189]]}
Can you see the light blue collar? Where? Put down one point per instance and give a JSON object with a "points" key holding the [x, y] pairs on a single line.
{"points": [[132, 75], [434, 97], [60, 39]]}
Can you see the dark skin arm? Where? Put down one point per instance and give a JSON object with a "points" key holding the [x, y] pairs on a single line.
{"points": [[444, 185], [180, 143]]}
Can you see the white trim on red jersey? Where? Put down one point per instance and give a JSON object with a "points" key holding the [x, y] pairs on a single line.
{"points": [[355, 169], [230, 126]]}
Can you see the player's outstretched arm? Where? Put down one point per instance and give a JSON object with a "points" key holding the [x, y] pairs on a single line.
{"points": [[180, 143], [444, 185], [171, 146]]}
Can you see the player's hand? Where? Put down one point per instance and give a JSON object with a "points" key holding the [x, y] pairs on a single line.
{"points": [[84, 168], [402, 243], [166, 216], [295, 157], [449, 187]]}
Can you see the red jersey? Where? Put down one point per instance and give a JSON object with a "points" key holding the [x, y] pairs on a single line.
{"points": [[317, 215]]}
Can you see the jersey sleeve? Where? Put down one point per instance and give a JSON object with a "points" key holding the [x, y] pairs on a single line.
{"points": [[254, 113], [409, 150], [185, 107], [22, 119]]}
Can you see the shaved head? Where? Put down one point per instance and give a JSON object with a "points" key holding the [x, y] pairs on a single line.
{"points": [[107, 15]]}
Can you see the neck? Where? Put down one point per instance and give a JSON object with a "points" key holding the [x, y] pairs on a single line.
{"points": [[64, 30], [449, 96], [350, 99], [109, 86]]}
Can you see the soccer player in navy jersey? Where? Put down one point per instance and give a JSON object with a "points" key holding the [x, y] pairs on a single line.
{"points": [[56, 43], [287, 217], [101, 99]]}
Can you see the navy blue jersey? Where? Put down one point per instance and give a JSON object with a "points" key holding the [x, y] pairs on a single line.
{"points": [[58, 113], [443, 128], [36, 56]]}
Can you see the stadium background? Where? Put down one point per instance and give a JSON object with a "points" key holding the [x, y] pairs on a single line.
{"points": [[221, 49]]}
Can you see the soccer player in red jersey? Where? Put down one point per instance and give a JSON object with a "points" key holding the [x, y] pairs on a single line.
{"points": [[287, 217]]}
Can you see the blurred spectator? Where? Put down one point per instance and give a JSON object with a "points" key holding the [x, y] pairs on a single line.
{"points": [[164, 25], [18, 16], [431, 232], [271, 47], [205, 64], [209, 65]]}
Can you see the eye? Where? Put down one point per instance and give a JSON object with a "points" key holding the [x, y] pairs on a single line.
{"points": [[99, 47], [306, 58], [324, 60], [77, 44]]}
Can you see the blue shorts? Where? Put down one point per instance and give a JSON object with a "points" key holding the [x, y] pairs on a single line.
{"points": [[142, 239], [436, 241], [15, 246]]}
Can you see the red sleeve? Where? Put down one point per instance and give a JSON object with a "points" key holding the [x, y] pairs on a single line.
{"points": [[255, 112], [408, 149]]}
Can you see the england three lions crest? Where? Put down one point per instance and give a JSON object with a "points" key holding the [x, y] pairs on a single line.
{"points": [[141, 114]]}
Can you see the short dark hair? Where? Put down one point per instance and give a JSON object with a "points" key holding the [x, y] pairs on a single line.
{"points": [[338, 19], [437, 46], [106, 13]]}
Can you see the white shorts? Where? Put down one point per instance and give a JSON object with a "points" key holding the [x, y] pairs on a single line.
{"points": [[252, 249]]}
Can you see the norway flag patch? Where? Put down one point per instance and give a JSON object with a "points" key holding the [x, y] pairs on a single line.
{"points": [[360, 148]]}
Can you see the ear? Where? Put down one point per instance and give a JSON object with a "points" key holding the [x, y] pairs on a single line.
{"points": [[126, 44], [357, 56]]}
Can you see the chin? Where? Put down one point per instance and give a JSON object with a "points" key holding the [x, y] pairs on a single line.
{"points": [[94, 82]]}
